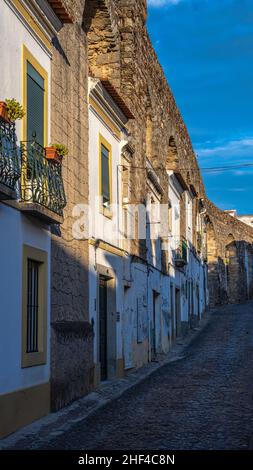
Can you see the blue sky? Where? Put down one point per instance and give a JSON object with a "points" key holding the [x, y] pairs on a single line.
{"points": [[206, 50]]}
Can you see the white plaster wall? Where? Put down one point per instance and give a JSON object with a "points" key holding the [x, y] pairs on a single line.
{"points": [[135, 331], [13, 35], [175, 232], [195, 268], [153, 242], [188, 209], [103, 227], [139, 292], [15, 231], [99, 256]]}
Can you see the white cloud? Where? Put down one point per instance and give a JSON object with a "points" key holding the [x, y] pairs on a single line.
{"points": [[162, 3], [243, 172], [240, 147]]}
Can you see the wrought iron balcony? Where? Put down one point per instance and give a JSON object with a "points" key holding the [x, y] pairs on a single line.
{"points": [[41, 180], [9, 160], [181, 254]]}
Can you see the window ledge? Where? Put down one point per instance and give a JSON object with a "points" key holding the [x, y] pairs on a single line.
{"points": [[106, 212], [33, 359]]}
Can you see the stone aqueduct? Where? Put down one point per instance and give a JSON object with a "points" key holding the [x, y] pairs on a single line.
{"points": [[109, 40]]}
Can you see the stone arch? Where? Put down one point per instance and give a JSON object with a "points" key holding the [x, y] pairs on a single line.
{"points": [[214, 276], [212, 253], [103, 44], [151, 141], [149, 134], [172, 155], [232, 268]]}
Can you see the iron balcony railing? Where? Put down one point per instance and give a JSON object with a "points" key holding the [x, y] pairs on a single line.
{"points": [[41, 180], [9, 158], [181, 253]]}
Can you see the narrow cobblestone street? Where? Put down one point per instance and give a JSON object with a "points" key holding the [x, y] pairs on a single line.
{"points": [[202, 401]]}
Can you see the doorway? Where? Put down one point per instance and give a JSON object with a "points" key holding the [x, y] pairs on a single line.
{"points": [[198, 302], [178, 312], [155, 324], [107, 321], [173, 330], [103, 327]]}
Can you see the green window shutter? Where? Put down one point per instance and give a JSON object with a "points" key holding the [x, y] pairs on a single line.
{"points": [[105, 174], [35, 105]]}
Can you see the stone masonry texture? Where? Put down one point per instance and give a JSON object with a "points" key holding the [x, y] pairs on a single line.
{"points": [[71, 340], [109, 40]]}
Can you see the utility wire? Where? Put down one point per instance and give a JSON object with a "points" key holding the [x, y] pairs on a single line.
{"points": [[207, 169]]}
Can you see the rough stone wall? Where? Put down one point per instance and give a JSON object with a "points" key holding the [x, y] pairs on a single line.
{"points": [[71, 344], [158, 129], [229, 239]]}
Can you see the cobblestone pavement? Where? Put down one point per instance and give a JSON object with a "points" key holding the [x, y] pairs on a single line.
{"points": [[201, 401]]}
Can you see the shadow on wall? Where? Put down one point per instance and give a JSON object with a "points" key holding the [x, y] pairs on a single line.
{"points": [[71, 332]]}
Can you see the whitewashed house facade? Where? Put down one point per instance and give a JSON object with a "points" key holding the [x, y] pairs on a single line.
{"points": [[31, 199]]}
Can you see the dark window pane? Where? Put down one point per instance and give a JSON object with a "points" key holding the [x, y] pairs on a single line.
{"points": [[35, 105], [105, 174], [32, 305]]}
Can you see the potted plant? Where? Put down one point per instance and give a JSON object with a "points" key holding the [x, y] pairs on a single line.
{"points": [[56, 152], [11, 110], [3, 111]]}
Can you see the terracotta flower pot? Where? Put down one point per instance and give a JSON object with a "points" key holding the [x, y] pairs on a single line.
{"points": [[3, 111], [52, 154]]}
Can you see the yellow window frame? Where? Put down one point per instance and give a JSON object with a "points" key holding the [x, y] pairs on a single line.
{"points": [[105, 143], [35, 358], [28, 57]]}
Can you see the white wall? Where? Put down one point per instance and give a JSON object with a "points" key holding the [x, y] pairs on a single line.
{"points": [[99, 256], [188, 208], [13, 35], [15, 231], [15, 228], [195, 268], [103, 227], [135, 322]]}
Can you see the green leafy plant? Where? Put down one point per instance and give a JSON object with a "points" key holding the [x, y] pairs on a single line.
{"points": [[14, 109], [61, 149]]}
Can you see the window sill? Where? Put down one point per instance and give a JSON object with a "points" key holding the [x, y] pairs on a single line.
{"points": [[33, 359], [106, 212]]}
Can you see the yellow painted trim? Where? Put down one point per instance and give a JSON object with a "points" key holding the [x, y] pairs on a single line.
{"points": [[33, 25], [107, 247], [28, 57], [102, 141], [23, 406], [105, 118], [40, 357]]}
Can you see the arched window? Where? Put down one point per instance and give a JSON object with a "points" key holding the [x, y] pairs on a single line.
{"points": [[172, 156], [102, 40]]}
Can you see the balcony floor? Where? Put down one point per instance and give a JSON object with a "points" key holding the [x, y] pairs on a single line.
{"points": [[37, 211]]}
